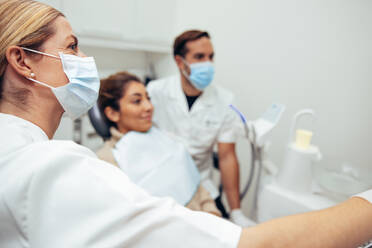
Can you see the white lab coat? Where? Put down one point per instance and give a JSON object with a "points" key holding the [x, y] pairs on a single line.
{"points": [[58, 194], [366, 195], [209, 121]]}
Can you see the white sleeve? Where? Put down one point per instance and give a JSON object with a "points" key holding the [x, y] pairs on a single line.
{"points": [[366, 195], [80, 201]]}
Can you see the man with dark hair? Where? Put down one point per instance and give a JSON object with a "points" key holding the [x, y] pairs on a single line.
{"points": [[197, 113]]}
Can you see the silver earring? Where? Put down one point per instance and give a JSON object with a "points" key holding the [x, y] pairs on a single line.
{"points": [[32, 74]]}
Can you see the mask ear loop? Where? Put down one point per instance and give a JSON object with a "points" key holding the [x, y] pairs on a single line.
{"points": [[185, 62], [36, 51], [36, 81], [184, 72], [33, 74]]}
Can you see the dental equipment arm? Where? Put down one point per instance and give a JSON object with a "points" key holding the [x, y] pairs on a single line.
{"points": [[257, 132], [346, 225]]}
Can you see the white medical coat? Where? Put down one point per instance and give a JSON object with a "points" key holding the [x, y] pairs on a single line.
{"points": [[366, 195], [209, 121], [58, 194]]}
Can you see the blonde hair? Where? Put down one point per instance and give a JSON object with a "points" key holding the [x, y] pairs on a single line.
{"points": [[24, 23]]}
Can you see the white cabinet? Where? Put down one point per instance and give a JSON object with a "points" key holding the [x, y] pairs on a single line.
{"points": [[109, 19], [145, 25], [156, 20]]}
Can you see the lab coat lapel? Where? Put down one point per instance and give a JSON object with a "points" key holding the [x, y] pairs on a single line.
{"points": [[205, 100], [177, 95]]}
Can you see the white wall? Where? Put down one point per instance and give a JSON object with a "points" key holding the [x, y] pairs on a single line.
{"points": [[306, 54]]}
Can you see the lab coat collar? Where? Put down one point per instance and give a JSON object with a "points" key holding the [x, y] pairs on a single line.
{"points": [[205, 99], [208, 95], [176, 94], [17, 133], [35, 132]]}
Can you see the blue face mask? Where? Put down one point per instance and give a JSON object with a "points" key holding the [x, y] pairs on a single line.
{"points": [[81, 93], [201, 74]]}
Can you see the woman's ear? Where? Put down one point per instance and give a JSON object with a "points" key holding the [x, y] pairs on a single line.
{"points": [[111, 114], [18, 60]]}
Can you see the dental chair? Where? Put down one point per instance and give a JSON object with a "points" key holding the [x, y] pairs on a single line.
{"points": [[99, 123]]}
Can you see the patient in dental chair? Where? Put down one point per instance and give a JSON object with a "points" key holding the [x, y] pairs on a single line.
{"points": [[149, 157]]}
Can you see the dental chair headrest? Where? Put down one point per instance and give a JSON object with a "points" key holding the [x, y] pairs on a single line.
{"points": [[99, 123]]}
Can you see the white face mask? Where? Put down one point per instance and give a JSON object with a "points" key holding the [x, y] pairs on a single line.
{"points": [[81, 93]]}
